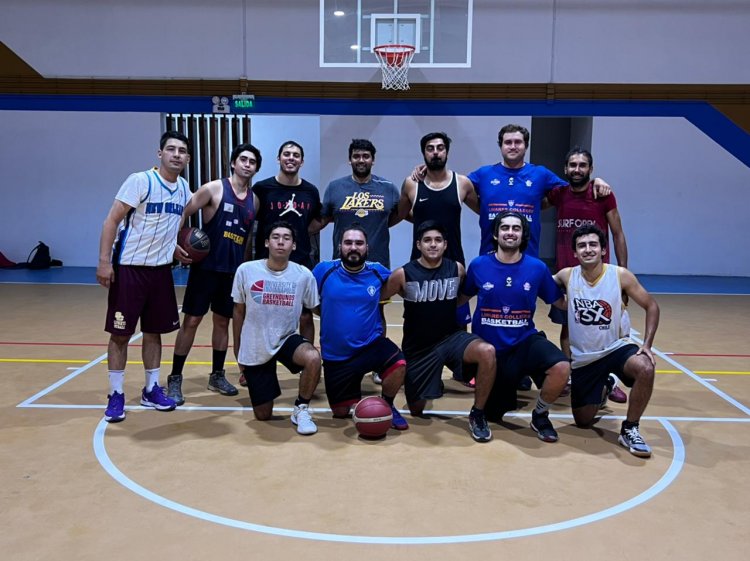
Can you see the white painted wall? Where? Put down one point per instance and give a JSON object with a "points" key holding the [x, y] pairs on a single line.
{"points": [[682, 198], [59, 172]]}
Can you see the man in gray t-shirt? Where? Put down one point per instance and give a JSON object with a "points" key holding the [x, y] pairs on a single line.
{"points": [[364, 198]]}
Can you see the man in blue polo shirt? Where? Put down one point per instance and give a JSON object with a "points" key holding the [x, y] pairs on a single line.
{"points": [[351, 329]]}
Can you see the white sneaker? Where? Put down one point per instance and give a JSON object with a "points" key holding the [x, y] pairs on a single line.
{"points": [[377, 379], [303, 420]]}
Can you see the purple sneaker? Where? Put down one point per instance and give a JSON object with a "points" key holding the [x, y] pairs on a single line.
{"points": [[157, 398], [115, 411], [398, 422]]}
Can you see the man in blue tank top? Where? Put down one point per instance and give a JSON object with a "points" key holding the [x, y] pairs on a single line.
{"points": [[228, 209]]}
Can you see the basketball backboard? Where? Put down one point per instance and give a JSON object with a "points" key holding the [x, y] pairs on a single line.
{"points": [[440, 31]]}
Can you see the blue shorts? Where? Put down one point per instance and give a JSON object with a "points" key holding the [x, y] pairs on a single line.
{"points": [[343, 378], [262, 380], [587, 382], [531, 357]]}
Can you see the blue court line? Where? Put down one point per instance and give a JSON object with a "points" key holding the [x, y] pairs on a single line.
{"points": [[678, 460], [723, 395]]}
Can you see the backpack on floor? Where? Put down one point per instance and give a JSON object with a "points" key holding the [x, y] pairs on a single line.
{"points": [[39, 258]]}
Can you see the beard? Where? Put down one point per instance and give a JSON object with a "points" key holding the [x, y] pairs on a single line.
{"points": [[578, 181], [353, 259], [361, 173], [435, 164]]}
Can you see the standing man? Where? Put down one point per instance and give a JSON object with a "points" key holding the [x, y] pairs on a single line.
{"points": [[269, 295], [507, 284], [576, 206], [438, 195], [362, 197], [429, 286], [514, 184], [599, 340], [142, 226], [351, 330], [228, 209], [289, 197]]}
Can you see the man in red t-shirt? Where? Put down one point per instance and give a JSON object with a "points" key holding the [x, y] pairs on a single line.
{"points": [[577, 205]]}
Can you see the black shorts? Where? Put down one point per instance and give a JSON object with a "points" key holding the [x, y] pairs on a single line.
{"points": [[587, 382], [531, 357], [145, 293], [343, 378], [262, 381], [424, 370], [558, 316], [208, 289]]}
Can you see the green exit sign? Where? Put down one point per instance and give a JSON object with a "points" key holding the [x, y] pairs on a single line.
{"points": [[243, 103]]}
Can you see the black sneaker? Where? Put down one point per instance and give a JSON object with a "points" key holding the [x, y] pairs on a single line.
{"points": [[480, 430], [543, 427], [525, 384], [174, 388], [217, 382], [632, 440]]}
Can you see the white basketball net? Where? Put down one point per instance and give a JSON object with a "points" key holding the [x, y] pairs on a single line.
{"points": [[394, 62]]}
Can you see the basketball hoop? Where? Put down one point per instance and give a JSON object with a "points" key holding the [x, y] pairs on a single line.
{"points": [[394, 62]]}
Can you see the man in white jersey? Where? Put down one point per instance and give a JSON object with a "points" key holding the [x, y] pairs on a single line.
{"points": [[268, 298], [599, 328], [142, 226]]}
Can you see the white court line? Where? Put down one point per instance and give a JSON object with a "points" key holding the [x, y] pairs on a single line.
{"points": [[678, 460], [725, 396], [66, 379]]}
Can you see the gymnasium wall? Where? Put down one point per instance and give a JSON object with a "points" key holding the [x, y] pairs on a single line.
{"points": [[683, 199], [514, 41]]}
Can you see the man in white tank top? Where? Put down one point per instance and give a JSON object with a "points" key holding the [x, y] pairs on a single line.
{"points": [[599, 332]]}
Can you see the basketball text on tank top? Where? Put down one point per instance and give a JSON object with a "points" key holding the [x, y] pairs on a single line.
{"points": [[429, 305], [594, 315], [229, 230], [443, 206], [148, 235]]}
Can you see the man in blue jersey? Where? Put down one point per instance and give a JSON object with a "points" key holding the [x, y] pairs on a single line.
{"points": [[507, 283], [352, 341], [228, 209], [142, 226], [514, 184]]}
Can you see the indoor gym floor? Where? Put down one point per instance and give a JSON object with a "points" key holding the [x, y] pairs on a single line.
{"points": [[209, 482]]}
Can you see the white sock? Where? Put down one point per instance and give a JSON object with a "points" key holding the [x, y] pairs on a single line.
{"points": [[116, 380], [152, 377], [541, 405]]}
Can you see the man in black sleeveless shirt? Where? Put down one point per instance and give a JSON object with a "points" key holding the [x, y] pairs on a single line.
{"points": [[432, 337]]}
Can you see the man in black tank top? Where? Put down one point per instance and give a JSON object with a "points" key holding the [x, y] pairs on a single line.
{"points": [[432, 337], [438, 195]]}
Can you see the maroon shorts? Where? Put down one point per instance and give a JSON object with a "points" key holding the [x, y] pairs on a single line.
{"points": [[145, 293]]}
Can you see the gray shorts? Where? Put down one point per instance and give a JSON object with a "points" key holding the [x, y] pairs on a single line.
{"points": [[424, 370]]}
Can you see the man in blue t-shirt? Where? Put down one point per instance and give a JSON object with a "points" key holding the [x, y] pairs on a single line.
{"points": [[352, 339], [514, 184], [507, 284]]}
